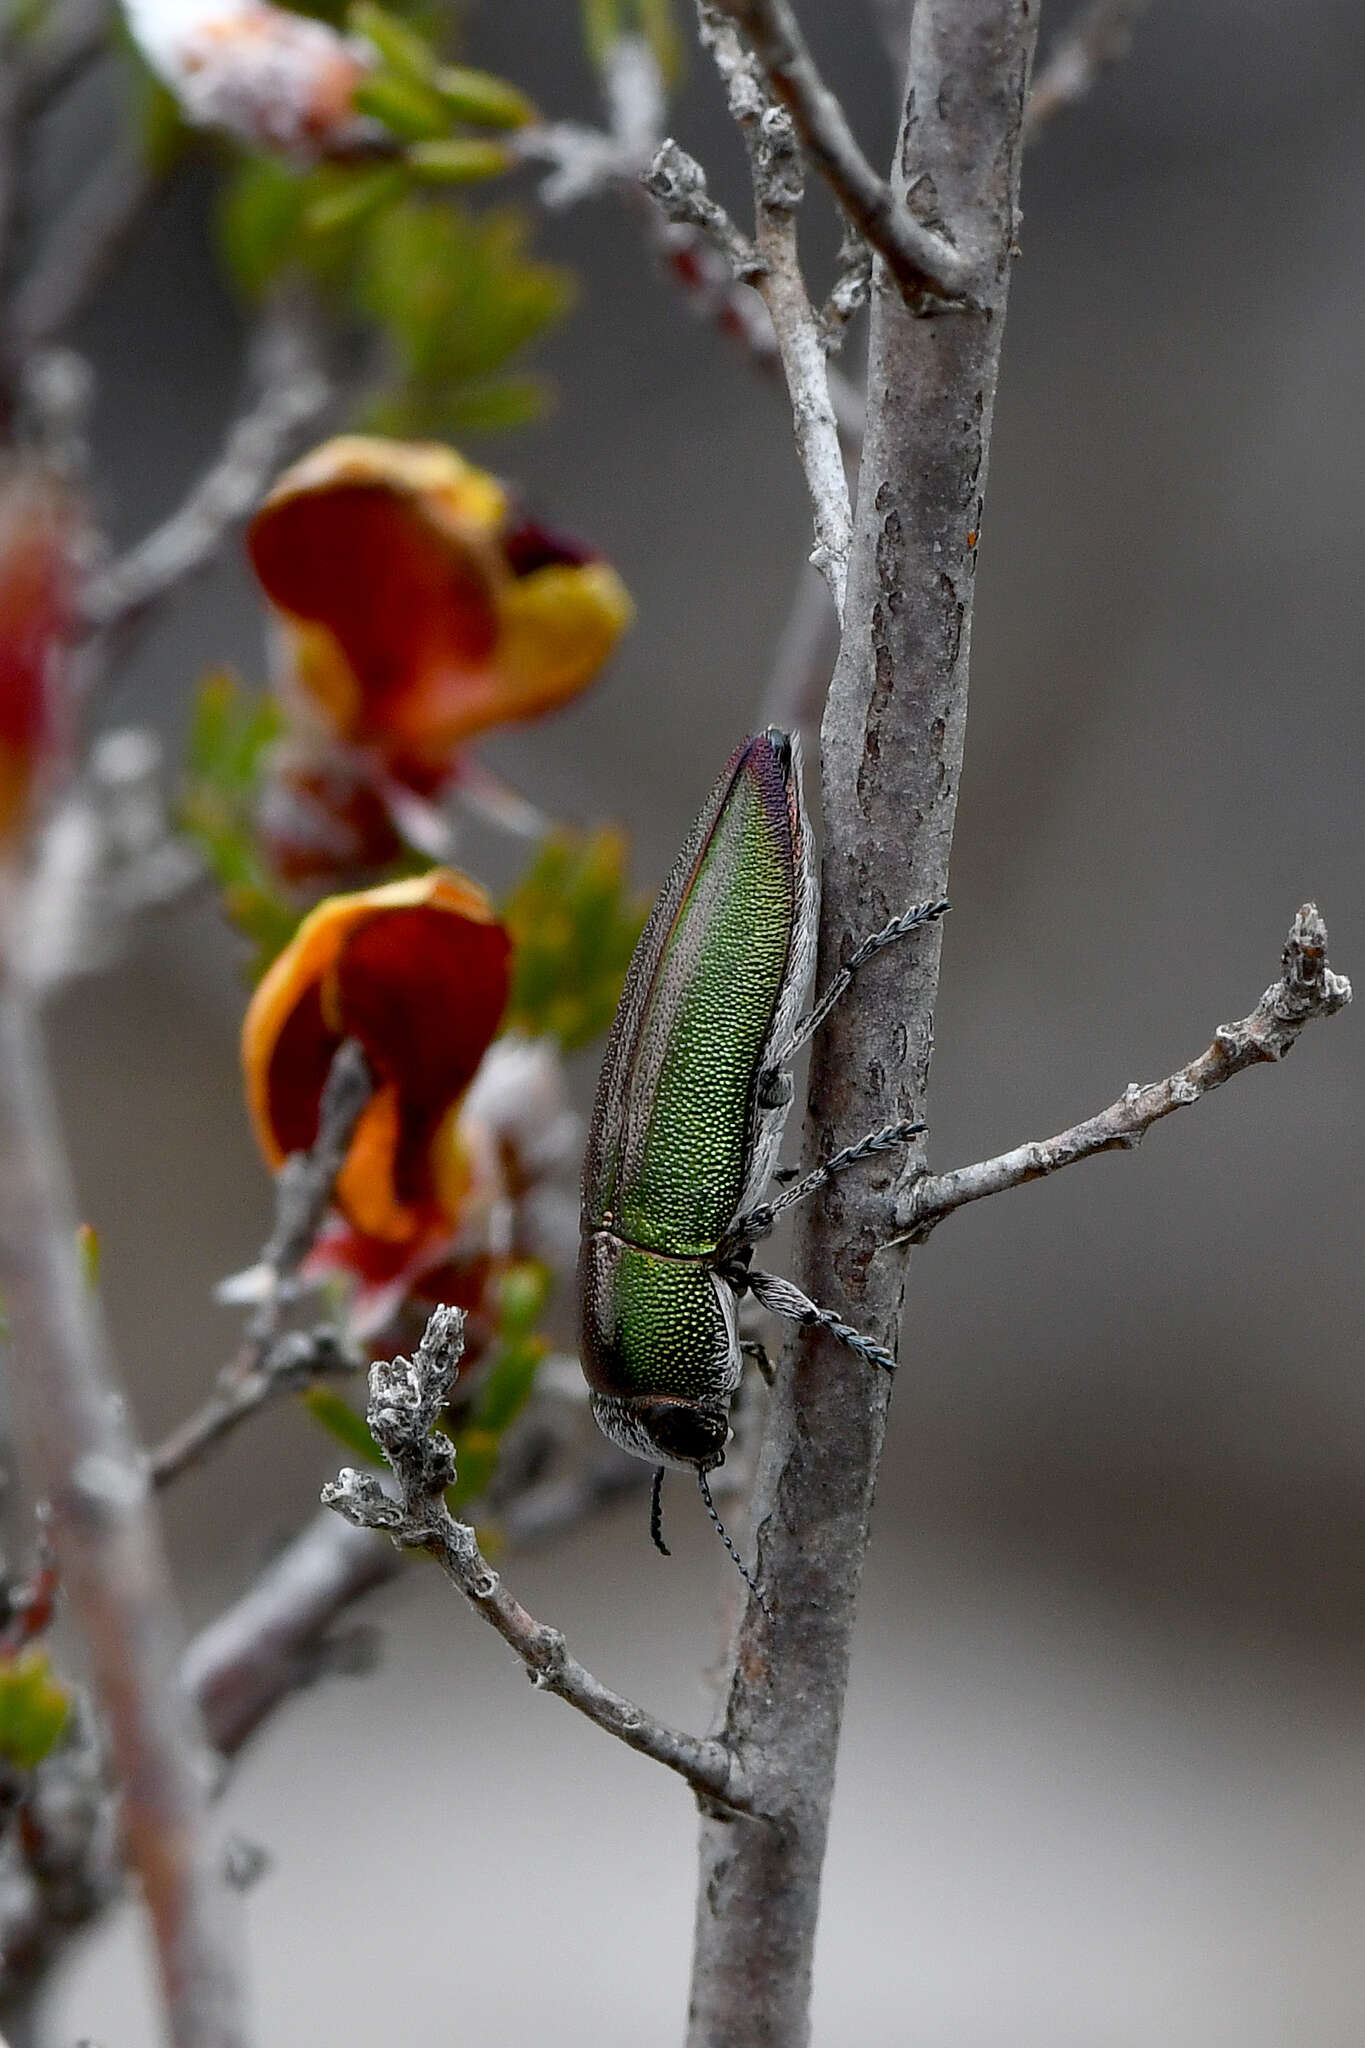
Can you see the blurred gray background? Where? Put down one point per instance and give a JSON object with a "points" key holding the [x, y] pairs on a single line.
{"points": [[1103, 1783]]}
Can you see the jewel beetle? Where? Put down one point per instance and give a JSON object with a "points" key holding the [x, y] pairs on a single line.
{"points": [[688, 1123]]}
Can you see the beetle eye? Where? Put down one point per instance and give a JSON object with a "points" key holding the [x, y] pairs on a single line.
{"points": [[685, 1432]]}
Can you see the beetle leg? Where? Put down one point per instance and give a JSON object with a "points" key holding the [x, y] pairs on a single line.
{"points": [[751, 1348], [758, 1222], [900, 927], [784, 1298]]}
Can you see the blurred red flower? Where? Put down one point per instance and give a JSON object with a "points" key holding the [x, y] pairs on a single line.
{"points": [[36, 614], [415, 612], [418, 972]]}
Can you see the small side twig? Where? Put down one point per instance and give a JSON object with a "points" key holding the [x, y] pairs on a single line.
{"points": [[1100, 36], [1307, 988], [269, 1364], [773, 267], [292, 1363], [803, 659], [582, 162], [304, 1184], [293, 391], [72, 35], [921, 261], [79, 248], [406, 1398], [678, 183]]}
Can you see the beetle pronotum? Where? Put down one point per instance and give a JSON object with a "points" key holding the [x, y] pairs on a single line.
{"points": [[688, 1123]]}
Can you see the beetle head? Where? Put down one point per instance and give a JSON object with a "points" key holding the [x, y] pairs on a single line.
{"points": [[665, 1430]]}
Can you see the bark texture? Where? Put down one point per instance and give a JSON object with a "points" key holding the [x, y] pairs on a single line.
{"points": [[892, 754]]}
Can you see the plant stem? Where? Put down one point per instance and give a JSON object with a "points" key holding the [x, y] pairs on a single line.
{"points": [[76, 1451], [892, 746]]}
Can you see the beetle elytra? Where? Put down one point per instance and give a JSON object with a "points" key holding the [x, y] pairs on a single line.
{"points": [[689, 1116]]}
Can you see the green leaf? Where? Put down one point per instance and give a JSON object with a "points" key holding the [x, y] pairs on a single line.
{"points": [[404, 105], [342, 1422], [401, 47], [418, 408], [506, 1383], [88, 1253], [230, 731], [456, 160], [34, 1708], [574, 923], [345, 195], [480, 98], [260, 222], [457, 296]]}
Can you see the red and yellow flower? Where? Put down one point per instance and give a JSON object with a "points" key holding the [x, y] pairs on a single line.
{"points": [[418, 973], [415, 612]]}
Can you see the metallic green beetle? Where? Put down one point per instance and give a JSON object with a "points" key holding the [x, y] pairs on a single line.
{"points": [[689, 1116]]}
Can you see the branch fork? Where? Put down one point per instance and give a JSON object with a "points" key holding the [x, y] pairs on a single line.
{"points": [[925, 264]]}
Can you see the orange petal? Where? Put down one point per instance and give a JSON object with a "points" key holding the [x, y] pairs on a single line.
{"points": [[381, 556], [415, 613], [418, 972], [365, 1189], [556, 627]]}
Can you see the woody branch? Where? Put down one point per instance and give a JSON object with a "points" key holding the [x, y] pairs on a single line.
{"points": [[406, 1398], [771, 263], [921, 260], [76, 1451], [1307, 988], [892, 750]]}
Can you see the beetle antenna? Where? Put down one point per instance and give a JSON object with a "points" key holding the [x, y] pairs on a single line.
{"points": [[724, 1536], [656, 1513]]}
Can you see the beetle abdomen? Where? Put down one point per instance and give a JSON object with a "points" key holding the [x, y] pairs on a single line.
{"points": [[655, 1325], [672, 1133]]}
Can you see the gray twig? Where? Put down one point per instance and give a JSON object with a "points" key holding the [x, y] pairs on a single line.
{"points": [[582, 162], [295, 1361], [778, 175], [273, 1640], [80, 247], [269, 1364], [71, 35], [293, 391], [678, 183], [850, 290], [1307, 988], [922, 261], [77, 1452], [891, 752], [1101, 35], [304, 1184], [406, 1398]]}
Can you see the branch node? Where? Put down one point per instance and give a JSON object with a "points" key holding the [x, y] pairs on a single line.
{"points": [[930, 271], [677, 182]]}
